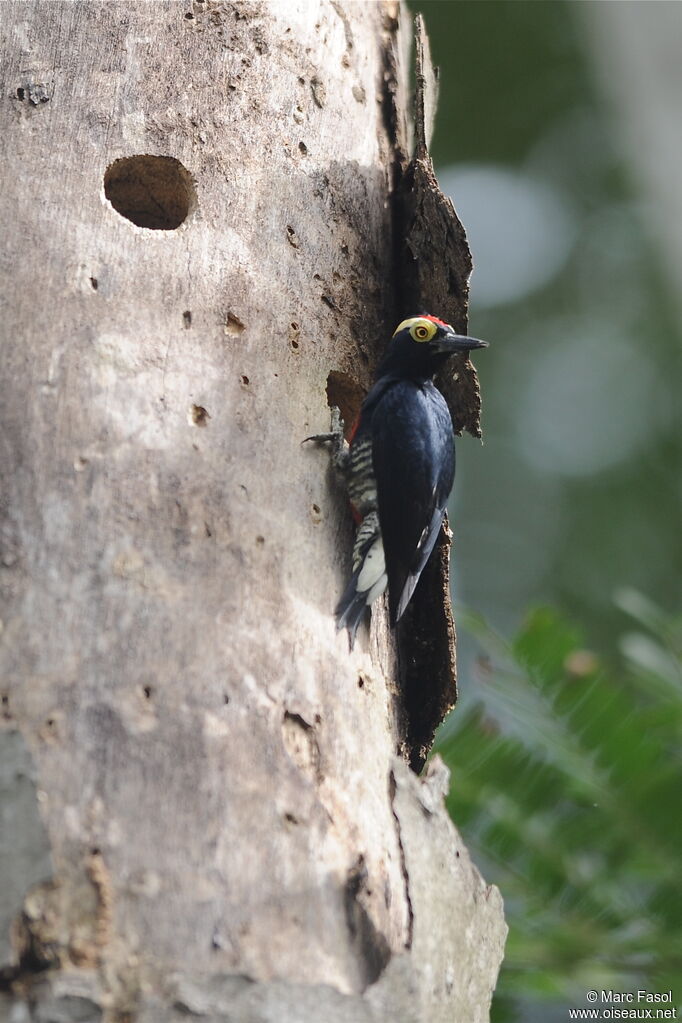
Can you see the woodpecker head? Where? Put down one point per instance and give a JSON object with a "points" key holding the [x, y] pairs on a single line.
{"points": [[420, 346]]}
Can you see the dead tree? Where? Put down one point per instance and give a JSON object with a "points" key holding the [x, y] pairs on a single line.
{"points": [[209, 219]]}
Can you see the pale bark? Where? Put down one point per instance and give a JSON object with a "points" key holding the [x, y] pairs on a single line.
{"points": [[203, 810]]}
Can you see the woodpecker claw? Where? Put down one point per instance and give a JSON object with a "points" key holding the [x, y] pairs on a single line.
{"points": [[320, 438], [335, 437]]}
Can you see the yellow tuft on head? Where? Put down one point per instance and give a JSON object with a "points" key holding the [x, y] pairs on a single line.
{"points": [[420, 328]]}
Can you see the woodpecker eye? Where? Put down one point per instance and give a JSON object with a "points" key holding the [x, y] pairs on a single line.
{"points": [[422, 330]]}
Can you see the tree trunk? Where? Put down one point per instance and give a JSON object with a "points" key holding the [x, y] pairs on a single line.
{"points": [[202, 807]]}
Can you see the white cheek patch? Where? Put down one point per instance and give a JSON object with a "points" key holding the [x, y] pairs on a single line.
{"points": [[373, 567]]}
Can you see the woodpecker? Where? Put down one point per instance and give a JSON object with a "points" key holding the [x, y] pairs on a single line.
{"points": [[399, 467]]}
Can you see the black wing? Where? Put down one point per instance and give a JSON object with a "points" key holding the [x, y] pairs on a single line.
{"points": [[413, 455]]}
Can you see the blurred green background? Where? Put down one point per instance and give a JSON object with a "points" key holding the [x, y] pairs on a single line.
{"points": [[556, 139]]}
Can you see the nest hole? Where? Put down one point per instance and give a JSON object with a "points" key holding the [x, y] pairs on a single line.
{"points": [[156, 192]]}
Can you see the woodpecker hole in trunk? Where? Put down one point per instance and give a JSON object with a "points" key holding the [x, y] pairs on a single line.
{"points": [[156, 192]]}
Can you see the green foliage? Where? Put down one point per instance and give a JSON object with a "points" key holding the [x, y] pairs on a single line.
{"points": [[567, 786]]}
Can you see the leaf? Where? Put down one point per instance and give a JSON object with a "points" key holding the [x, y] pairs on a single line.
{"points": [[566, 781]]}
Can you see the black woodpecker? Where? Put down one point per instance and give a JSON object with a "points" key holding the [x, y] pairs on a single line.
{"points": [[399, 467]]}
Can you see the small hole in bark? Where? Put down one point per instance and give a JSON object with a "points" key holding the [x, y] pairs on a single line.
{"points": [[94, 283], [151, 191], [361, 682], [187, 319], [301, 744], [21, 93], [226, 698], [198, 415], [290, 818], [304, 149], [246, 381], [260, 540], [189, 16], [147, 690], [233, 326], [50, 730], [95, 851]]}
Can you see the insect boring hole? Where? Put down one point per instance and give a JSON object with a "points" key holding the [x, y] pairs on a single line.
{"points": [[347, 395], [198, 416]]}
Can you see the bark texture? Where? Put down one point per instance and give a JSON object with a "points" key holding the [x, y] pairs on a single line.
{"points": [[202, 809]]}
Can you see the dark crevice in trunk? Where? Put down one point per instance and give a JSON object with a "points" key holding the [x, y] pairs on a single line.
{"points": [[432, 264]]}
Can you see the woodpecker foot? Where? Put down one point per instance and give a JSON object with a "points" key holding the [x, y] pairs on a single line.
{"points": [[339, 448]]}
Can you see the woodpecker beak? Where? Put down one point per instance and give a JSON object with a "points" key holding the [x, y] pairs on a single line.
{"points": [[452, 343]]}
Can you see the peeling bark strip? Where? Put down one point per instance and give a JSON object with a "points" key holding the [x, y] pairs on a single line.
{"points": [[435, 261], [202, 810], [427, 653]]}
